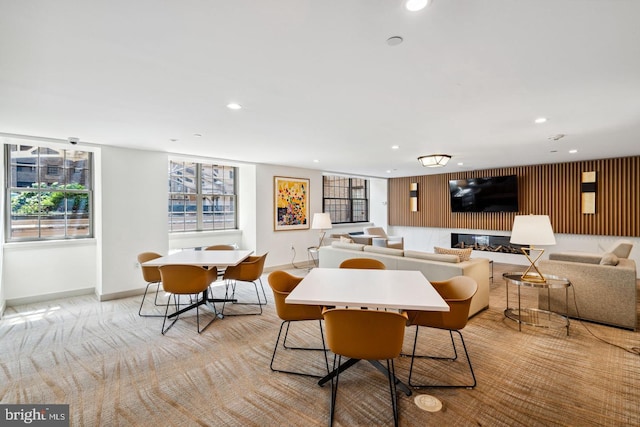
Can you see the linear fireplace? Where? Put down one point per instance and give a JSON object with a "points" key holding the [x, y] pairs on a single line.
{"points": [[483, 242]]}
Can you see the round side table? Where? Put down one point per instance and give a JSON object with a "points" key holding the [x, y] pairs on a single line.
{"points": [[536, 316]]}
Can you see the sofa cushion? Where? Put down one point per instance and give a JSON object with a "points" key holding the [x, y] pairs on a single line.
{"points": [[585, 257], [352, 246], [609, 259], [463, 254], [431, 256], [383, 250], [621, 248]]}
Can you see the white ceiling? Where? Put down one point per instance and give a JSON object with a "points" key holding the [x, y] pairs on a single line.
{"points": [[318, 81]]}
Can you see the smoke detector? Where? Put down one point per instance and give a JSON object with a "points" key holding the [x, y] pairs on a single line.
{"points": [[557, 137]]}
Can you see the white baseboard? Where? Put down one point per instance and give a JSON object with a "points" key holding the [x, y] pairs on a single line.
{"points": [[48, 297]]}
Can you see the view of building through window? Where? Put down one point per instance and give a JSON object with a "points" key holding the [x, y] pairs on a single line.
{"points": [[345, 199], [201, 196], [50, 193]]}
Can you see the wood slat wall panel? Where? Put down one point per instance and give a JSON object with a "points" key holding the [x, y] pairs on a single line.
{"points": [[551, 189]]}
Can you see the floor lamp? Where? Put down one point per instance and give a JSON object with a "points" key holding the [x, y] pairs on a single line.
{"points": [[322, 222], [532, 230]]}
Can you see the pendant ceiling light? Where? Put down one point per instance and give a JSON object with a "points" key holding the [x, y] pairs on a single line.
{"points": [[434, 160]]}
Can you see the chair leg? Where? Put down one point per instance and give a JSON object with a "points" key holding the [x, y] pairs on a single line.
{"points": [[286, 334], [414, 356], [391, 376], [275, 349], [144, 296], [232, 284], [166, 315], [334, 387]]}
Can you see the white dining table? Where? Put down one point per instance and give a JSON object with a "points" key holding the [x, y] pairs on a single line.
{"points": [[202, 258], [388, 289], [218, 259]]}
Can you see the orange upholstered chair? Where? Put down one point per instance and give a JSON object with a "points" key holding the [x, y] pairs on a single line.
{"points": [[186, 280], [363, 263], [282, 283], [248, 270], [152, 276], [365, 335], [457, 292]]}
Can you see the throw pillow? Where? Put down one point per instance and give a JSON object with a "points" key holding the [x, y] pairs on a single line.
{"points": [[345, 239], [609, 259], [463, 254]]}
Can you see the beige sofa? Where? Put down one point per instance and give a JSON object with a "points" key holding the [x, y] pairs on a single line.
{"points": [[433, 266], [603, 293]]}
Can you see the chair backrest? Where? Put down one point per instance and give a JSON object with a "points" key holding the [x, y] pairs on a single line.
{"points": [[220, 248], [621, 248], [375, 231], [150, 274], [363, 264], [186, 279], [365, 334], [248, 270], [282, 283], [457, 292]]}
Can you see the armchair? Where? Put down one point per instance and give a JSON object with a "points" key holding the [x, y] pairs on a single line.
{"points": [[380, 238]]}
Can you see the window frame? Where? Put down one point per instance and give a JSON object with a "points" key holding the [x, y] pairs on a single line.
{"points": [[199, 196], [350, 200], [42, 170]]}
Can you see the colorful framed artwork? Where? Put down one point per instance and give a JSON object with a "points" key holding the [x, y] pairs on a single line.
{"points": [[291, 199]]}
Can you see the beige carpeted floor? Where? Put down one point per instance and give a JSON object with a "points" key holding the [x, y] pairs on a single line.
{"points": [[116, 369]]}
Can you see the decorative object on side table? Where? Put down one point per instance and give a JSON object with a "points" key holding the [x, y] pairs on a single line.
{"points": [[322, 222], [532, 230]]}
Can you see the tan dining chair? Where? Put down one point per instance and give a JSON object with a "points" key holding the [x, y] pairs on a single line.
{"points": [[363, 263], [282, 283], [186, 280], [457, 292], [249, 270], [151, 275], [220, 248], [364, 335]]}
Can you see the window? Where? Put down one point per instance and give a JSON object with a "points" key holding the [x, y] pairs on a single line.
{"points": [[50, 193], [345, 199], [201, 196]]}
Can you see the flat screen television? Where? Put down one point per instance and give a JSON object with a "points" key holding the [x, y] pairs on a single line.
{"points": [[489, 194]]}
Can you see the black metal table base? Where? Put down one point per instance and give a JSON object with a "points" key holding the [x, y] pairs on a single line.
{"points": [[349, 363]]}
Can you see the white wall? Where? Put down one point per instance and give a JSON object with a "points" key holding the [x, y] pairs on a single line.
{"points": [[424, 239], [132, 216]]}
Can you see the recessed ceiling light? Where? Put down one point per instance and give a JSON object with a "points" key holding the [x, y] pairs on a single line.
{"points": [[394, 41], [316, 161], [197, 135], [395, 147], [460, 164], [415, 5], [388, 170], [540, 120], [574, 151], [234, 106]]}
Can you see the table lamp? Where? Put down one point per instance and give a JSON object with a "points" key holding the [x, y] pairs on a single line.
{"points": [[532, 230], [322, 222]]}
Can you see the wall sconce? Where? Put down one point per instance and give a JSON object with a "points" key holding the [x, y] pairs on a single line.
{"points": [[413, 197], [588, 189]]}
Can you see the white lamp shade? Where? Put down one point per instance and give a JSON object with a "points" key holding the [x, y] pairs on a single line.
{"points": [[321, 221], [532, 230]]}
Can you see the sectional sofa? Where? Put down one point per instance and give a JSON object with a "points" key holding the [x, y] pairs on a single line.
{"points": [[604, 287], [433, 266]]}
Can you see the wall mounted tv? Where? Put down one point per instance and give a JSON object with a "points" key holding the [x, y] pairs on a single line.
{"points": [[489, 194]]}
